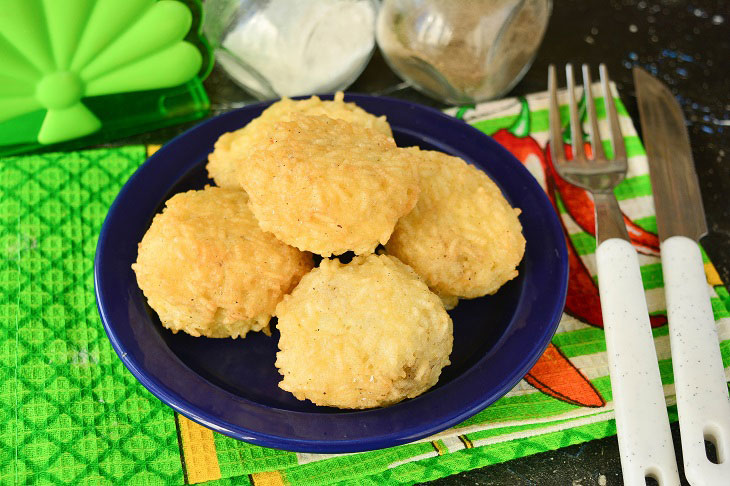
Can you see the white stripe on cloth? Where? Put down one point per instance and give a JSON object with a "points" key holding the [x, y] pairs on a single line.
{"points": [[453, 443], [306, 457], [413, 459], [522, 434]]}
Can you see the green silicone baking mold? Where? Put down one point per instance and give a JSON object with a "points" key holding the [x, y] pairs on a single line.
{"points": [[86, 71]]}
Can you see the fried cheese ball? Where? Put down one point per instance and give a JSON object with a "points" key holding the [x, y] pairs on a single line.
{"points": [[462, 237], [233, 149], [329, 186], [364, 334], [207, 269]]}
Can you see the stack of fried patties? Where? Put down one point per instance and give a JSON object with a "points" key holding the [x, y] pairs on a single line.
{"points": [[421, 229]]}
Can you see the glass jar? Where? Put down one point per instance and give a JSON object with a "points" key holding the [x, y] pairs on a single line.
{"points": [[461, 51], [275, 48]]}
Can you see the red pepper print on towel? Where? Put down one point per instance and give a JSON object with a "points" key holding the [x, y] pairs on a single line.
{"points": [[555, 375]]}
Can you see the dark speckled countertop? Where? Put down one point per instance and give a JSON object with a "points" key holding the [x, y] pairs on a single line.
{"points": [[687, 45]]}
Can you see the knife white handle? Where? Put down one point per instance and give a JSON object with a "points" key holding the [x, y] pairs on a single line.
{"points": [[642, 423], [699, 376]]}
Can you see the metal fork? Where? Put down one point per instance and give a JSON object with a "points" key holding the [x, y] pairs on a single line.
{"points": [[644, 437]]}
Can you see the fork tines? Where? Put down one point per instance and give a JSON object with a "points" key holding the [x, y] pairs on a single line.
{"points": [[579, 155]]}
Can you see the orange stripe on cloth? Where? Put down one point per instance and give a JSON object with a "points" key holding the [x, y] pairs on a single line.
{"points": [[713, 278], [268, 478], [151, 149], [201, 459]]}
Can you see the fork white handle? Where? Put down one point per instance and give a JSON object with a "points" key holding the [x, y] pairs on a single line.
{"points": [[645, 440], [699, 376]]}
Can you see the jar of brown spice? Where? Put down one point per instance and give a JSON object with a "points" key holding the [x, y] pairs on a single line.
{"points": [[461, 51]]}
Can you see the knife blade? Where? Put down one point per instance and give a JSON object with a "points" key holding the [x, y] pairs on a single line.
{"points": [[699, 375], [677, 197]]}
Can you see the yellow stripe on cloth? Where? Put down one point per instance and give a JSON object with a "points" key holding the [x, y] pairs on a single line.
{"points": [[466, 441], [151, 149], [439, 448], [268, 478], [201, 460], [713, 278]]}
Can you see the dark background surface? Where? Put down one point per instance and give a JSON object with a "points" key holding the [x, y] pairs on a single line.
{"points": [[687, 45]]}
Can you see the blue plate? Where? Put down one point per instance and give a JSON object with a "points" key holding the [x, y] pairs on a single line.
{"points": [[231, 385]]}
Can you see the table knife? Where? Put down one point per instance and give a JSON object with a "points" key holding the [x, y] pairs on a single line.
{"points": [[699, 375]]}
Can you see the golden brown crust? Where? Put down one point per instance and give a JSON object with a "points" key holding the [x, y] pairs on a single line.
{"points": [[362, 335], [462, 237], [233, 149], [328, 186], [223, 163], [207, 269]]}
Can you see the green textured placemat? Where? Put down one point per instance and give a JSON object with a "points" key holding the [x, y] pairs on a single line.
{"points": [[70, 413]]}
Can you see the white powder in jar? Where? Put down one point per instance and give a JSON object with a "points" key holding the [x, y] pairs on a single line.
{"points": [[301, 47]]}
